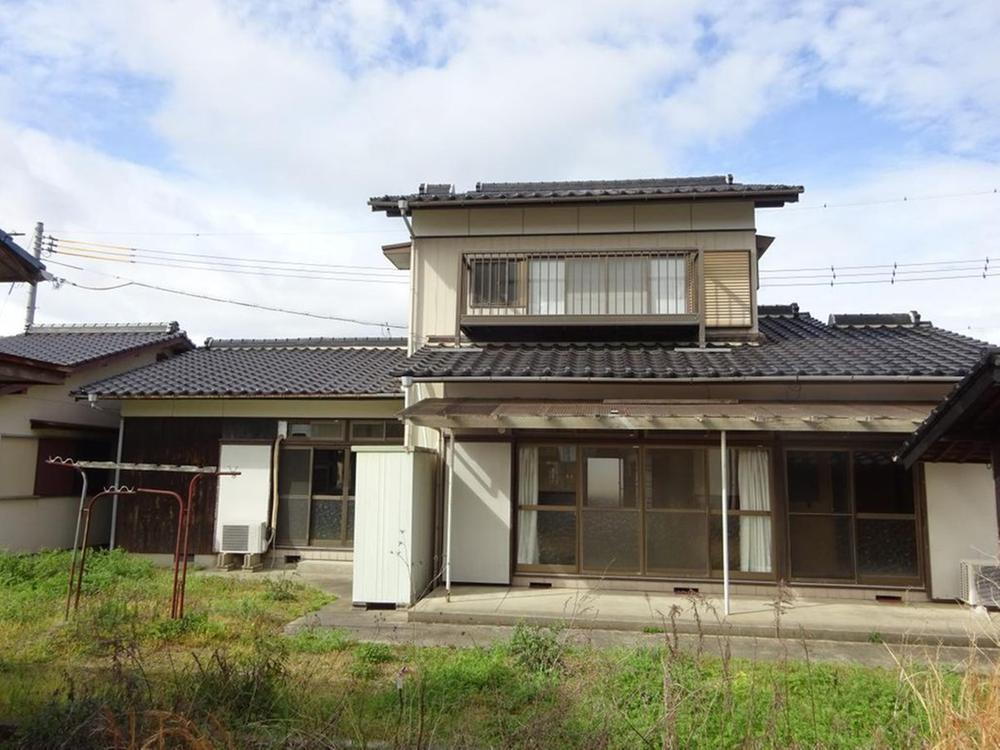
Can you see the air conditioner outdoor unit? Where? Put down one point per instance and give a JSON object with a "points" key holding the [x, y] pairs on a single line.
{"points": [[244, 538], [980, 582]]}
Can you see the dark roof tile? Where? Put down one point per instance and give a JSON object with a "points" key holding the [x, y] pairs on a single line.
{"points": [[247, 368], [76, 345], [792, 345]]}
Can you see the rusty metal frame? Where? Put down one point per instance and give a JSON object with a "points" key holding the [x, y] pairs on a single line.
{"points": [[183, 521]]}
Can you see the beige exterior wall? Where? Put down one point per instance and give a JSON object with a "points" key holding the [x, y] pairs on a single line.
{"points": [[28, 522], [276, 408], [443, 235]]}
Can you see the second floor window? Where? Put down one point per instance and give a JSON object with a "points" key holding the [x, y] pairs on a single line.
{"points": [[497, 282], [582, 284]]}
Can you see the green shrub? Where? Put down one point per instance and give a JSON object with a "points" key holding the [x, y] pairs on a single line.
{"points": [[538, 648], [374, 653], [282, 589]]}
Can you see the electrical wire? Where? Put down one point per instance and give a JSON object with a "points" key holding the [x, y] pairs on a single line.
{"points": [[985, 260], [242, 270], [836, 282], [129, 250], [211, 298], [903, 199], [268, 233]]}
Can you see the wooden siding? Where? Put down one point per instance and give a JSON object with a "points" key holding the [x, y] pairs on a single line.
{"points": [[149, 524], [728, 296]]}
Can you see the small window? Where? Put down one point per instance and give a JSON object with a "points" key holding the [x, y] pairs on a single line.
{"points": [[394, 430], [496, 282], [299, 429], [372, 429], [332, 429]]}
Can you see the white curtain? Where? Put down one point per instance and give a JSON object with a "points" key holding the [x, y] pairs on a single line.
{"points": [[586, 283], [546, 287], [626, 286], [527, 494], [669, 285], [754, 487]]}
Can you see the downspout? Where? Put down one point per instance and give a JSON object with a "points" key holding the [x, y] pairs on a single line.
{"points": [[410, 348], [725, 526], [118, 475], [275, 464], [447, 520]]}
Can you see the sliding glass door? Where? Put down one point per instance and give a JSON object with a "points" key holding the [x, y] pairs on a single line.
{"points": [[626, 510], [316, 496]]}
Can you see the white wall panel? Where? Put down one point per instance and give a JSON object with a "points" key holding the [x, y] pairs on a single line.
{"points": [[961, 521], [244, 498], [480, 533]]}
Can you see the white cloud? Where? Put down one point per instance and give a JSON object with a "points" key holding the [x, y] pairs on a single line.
{"points": [[287, 115]]}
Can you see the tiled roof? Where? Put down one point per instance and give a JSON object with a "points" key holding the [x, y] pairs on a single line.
{"points": [[714, 186], [75, 345], [261, 368], [976, 398], [794, 345], [16, 264]]}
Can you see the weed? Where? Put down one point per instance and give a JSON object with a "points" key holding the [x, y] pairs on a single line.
{"points": [[282, 589], [875, 637], [319, 641], [538, 648]]}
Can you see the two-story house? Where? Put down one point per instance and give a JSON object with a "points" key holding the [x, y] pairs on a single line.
{"points": [[600, 395]]}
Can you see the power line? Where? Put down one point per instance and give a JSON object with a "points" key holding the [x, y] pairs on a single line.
{"points": [[211, 298], [212, 233], [307, 274], [127, 249], [982, 259], [885, 201], [837, 282]]}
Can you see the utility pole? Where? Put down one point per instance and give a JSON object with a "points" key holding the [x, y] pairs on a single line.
{"points": [[29, 318]]}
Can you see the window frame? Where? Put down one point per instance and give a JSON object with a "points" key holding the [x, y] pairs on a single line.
{"points": [[918, 580], [708, 512], [518, 300]]}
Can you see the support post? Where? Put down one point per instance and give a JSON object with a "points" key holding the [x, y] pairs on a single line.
{"points": [[725, 526], [995, 460], [117, 480], [447, 521], [29, 317]]}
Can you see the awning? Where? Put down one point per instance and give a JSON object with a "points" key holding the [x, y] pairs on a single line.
{"points": [[666, 415]]}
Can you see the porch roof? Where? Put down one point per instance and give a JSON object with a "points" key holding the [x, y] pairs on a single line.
{"points": [[666, 415], [965, 427]]}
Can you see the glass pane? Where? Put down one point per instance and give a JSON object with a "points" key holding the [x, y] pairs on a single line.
{"points": [[627, 286], [611, 541], [818, 481], [887, 548], [299, 429], [293, 472], [326, 515], [367, 430], [556, 481], [352, 482], [328, 472], [586, 287], [293, 520], [821, 547], [611, 475], [668, 284], [546, 287], [494, 282], [394, 430], [676, 543], [350, 522], [675, 478], [749, 543], [546, 538], [328, 430], [881, 486]]}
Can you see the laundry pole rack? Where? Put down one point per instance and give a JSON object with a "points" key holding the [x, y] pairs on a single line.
{"points": [[184, 506]]}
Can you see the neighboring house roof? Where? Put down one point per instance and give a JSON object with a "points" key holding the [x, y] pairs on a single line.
{"points": [[966, 424], [266, 368], [793, 344], [72, 346], [588, 191], [16, 264]]}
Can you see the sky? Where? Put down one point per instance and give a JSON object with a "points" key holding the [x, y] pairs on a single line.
{"points": [[259, 129]]}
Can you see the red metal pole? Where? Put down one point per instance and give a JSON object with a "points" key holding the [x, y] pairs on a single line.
{"points": [[187, 529]]}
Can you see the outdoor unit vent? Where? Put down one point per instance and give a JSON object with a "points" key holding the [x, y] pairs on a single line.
{"points": [[981, 582], [244, 538]]}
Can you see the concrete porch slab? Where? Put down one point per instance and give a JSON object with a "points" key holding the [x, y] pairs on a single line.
{"points": [[811, 618]]}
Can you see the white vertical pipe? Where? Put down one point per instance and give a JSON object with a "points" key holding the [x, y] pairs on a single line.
{"points": [[725, 526], [447, 520]]}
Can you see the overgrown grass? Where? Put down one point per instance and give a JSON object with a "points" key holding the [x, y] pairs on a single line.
{"points": [[120, 676]]}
